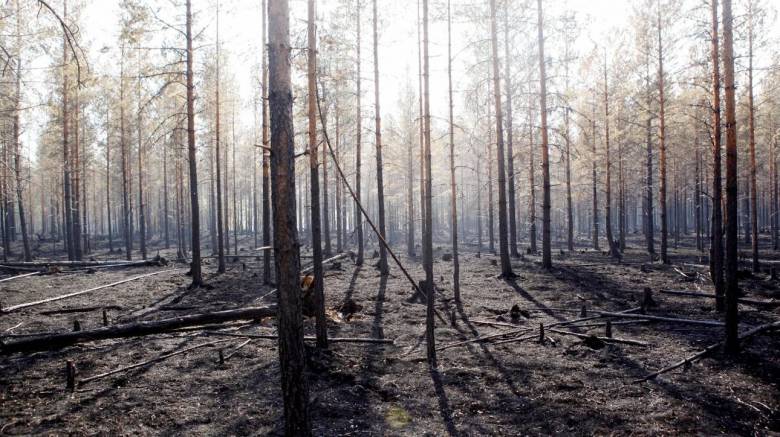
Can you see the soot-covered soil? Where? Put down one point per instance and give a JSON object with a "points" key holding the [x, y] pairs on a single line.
{"points": [[565, 386]]}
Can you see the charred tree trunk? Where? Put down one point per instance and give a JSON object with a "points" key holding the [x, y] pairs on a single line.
{"points": [[614, 252], [67, 204], [509, 138], [546, 206], [752, 145], [358, 151], [266, 155], [195, 270], [123, 151], [16, 133], [141, 186], [716, 245], [291, 350], [506, 266], [380, 191], [732, 288], [650, 214], [217, 143], [108, 181], [430, 338], [453, 188], [594, 177], [662, 146], [316, 237]]}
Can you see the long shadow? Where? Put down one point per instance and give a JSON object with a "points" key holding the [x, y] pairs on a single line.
{"points": [[527, 296], [444, 404], [486, 352], [352, 282]]}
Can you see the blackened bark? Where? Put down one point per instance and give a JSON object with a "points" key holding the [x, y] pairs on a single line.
{"points": [[291, 350]]}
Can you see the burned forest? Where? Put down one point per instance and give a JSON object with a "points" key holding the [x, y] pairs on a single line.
{"points": [[389, 217]]}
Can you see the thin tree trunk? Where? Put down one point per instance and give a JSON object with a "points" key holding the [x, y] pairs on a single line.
{"points": [[613, 249], [141, 186], [195, 270], [546, 206], [358, 146], [752, 144], [316, 238], [594, 177], [16, 133], [716, 244], [123, 151], [218, 142], [428, 227], [662, 145], [65, 153], [732, 287], [453, 189], [266, 154], [235, 190], [380, 190], [509, 138], [108, 180]]}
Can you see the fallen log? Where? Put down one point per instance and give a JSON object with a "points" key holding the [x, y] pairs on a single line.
{"points": [[708, 296], [156, 261], [597, 316], [688, 360], [330, 339], [621, 322], [604, 339], [80, 310], [663, 319], [148, 362], [525, 330], [499, 324], [235, 351], [485, 337], [135, 329], [20, 276], [77, 293]]}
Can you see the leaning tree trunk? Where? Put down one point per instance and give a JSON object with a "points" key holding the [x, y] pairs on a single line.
{"points": [[732, 237], [195, 270], [291, 350]]}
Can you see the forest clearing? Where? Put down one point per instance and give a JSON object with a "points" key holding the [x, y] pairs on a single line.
{"points": [[479, 217]]}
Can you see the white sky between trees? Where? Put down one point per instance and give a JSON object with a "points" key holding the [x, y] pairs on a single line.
{"points": [[240, 27]]}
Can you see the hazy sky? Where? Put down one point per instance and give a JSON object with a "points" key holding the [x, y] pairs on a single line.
{"points": [[240, 34]]}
